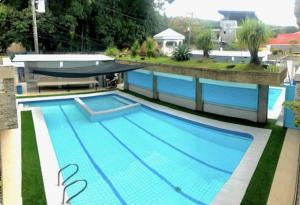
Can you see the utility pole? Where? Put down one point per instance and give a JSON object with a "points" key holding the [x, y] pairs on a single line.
{"points": [[190, 29], [35, 33]]}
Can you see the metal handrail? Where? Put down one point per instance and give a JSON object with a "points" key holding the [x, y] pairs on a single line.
{"points": [[72, 197], [65, 167]]}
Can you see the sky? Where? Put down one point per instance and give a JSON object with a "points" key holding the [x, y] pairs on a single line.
{"points": [[274, 12]]}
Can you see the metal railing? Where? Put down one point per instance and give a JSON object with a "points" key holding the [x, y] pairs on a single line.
{"points": [[65, 167], [79, 192], [71, 183]]}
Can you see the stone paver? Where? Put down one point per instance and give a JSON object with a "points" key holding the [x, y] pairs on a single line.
{"points": [[284, 182], [11, 166]]}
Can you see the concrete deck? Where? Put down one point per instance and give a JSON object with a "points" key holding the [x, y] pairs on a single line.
{"points": [[11, 166], [285, 179]]}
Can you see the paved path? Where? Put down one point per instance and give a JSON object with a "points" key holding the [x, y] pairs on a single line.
{"points": [[11, 166], [283, 187]]}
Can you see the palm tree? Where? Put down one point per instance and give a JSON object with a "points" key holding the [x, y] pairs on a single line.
{"points": [[253, 34], [204, 42]]}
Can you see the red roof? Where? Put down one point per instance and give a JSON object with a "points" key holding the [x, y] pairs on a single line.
{"points": [[285, 38]]}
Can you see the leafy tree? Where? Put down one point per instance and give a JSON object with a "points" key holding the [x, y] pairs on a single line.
{"points": [[204, 42], [253, 34], [150, 47], [80, 25]]}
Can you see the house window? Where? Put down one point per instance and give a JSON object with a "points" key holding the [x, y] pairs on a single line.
{"points": [[170, 44]]}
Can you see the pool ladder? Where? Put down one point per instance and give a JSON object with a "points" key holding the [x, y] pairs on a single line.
{"points": [[71, 183]]}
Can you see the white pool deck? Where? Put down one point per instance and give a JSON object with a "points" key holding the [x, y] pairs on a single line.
{"points": [[231, 193]]}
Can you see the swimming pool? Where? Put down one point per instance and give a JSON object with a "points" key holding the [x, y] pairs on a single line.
{"points": [[274, 94], [141, 157]]}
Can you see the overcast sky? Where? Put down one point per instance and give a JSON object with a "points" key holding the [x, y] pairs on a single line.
{"points": [[275, 12]]}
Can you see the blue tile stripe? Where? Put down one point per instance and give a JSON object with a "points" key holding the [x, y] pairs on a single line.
{"points": [[177, 149], [224, 131], [150, 168], [98, 169]]}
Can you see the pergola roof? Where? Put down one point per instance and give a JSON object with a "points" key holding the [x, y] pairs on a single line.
{"points": [[169, 34], [60, 57], [72, 65]]}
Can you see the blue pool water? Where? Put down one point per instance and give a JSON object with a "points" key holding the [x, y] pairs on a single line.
{"points": [[274, 94], [141, 157]]}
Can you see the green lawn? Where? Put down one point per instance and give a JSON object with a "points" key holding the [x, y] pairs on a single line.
{"points": [[261, 182], [32, 181], [209, 64]]}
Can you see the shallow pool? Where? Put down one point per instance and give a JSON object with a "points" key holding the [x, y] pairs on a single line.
{"points": [[274, 94], [143, 156]]}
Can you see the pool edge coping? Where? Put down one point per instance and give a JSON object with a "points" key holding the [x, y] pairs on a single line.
{"points": [[235, 188]]}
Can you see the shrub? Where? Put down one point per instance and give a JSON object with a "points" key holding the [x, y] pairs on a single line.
{"points": [[112, 51], [204, 42], [135, 49], [253, 34], [295, 107], [150, 47], [182, 53]]}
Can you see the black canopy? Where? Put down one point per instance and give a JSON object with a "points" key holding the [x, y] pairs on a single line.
{"points": [[86, 71]]}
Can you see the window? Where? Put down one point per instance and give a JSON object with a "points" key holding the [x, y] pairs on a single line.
{"points": [[170, 44]]}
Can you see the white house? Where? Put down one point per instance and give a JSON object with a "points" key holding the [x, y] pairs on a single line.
{"points": [[168, 40]]}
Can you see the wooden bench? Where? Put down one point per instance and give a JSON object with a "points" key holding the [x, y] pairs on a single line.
{"points": [[68, 82]]}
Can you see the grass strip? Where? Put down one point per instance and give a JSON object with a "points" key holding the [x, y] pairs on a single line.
{"points": [[32, 180]]}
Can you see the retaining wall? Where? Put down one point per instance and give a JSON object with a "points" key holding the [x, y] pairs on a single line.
{"points": [[238, 100]]}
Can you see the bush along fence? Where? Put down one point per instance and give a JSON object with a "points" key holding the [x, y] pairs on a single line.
{"points": [[290, 95], [240, 100]]}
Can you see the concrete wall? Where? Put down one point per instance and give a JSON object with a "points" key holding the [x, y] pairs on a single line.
{"points": [[8, 111], [240, 100]]}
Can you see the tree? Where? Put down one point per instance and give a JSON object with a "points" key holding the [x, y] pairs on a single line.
{"points": [[204, 42], [253, 34], [80, 25]]}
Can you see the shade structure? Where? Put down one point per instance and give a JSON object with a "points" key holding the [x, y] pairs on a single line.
{"points": [[103, 68]]}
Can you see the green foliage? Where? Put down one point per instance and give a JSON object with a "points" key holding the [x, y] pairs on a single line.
{"points": [[204, 42], [80, 25], [135, 48], [295, 107], [151, 47], [112, 51], [182, 53], [253, 34]]}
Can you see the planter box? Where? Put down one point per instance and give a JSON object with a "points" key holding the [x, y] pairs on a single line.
{"points": [[247, 76]]}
